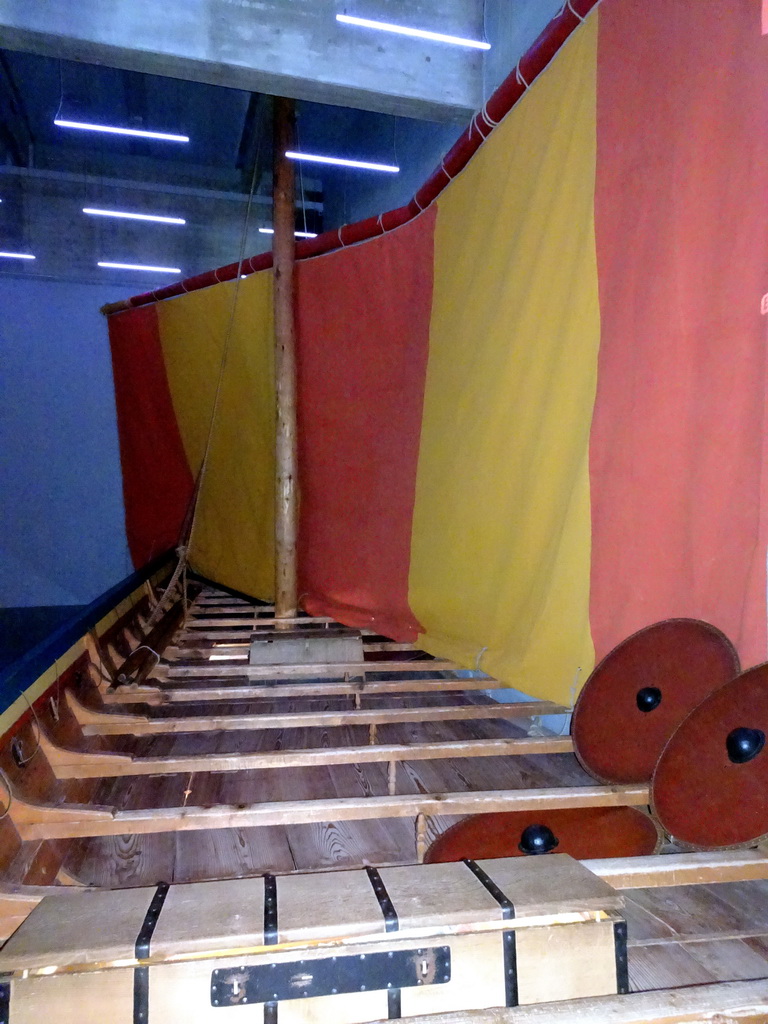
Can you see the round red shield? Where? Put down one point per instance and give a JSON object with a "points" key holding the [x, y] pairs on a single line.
{"points": [[583, 833], [639, 693], [710, 787]]}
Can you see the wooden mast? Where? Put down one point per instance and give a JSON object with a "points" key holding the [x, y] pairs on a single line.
{"points": [[285, 361]]}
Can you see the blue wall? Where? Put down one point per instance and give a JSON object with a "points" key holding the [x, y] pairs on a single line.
{"points": [[62, 530]]}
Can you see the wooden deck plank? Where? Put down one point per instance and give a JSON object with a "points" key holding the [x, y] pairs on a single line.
{"points": [[698, 910], [728, 959], [654, 967]]}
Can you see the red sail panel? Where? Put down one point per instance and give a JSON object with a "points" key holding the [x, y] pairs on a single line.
{"points": [[157, 483], [677, 447], [363, 334]]}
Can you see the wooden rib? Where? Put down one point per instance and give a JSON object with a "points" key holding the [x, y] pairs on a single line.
{"points": [[229, 602], [206, 621], [682, 868], [186, 695], [178, 652], [77, 764], [35, 821], [732, 1002], [100, 723], [230, 633], [339, 668]]}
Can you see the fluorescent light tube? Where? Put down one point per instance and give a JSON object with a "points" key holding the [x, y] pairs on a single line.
{"points": [[139, 266], [417, 33], [339, 161], [17, 256], [95, 212], [297, 234], [114, 130]]}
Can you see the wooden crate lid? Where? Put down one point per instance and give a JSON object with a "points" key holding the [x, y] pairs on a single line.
{"points": [[334, 903], [215, 916], [198, 917], [202, 916], [64, 930], [551, 884], [439, 894]]}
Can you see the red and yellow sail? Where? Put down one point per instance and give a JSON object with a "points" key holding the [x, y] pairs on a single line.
{"points": [[532, 418]]}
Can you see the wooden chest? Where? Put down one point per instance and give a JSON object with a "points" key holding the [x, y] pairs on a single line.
{"points": [[341, 947]]}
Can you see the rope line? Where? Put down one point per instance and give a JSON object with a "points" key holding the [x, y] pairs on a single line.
{"points": [[488, 120], [184, 547], [25, 760], [224, 356]]}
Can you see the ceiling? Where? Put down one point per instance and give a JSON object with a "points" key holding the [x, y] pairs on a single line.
{"points": [[48, 173]]}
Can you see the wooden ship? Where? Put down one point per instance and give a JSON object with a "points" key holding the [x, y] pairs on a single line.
{"points": [[220, 806]]}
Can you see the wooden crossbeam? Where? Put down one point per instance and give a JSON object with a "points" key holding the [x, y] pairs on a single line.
{"points": [[703, 868], [208, 620], [79, 764], [244, 634], [35, 821], [100, 723], [186, 694], [218, 669], [203, 654], [733, 1002]]}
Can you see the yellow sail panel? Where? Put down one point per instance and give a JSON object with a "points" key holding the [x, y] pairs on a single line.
{"points": [[233, 538], [500, 554]]}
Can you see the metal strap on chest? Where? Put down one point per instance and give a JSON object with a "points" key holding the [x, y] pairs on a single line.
{"points": [[392, 925], [507, 912], [143, 940]]}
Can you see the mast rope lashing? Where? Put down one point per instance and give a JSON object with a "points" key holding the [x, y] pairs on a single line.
{"points": [[488, 120], [568, 6]]}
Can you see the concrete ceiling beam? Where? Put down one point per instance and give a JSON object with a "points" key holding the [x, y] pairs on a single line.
{"points": [[291, 48]]}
